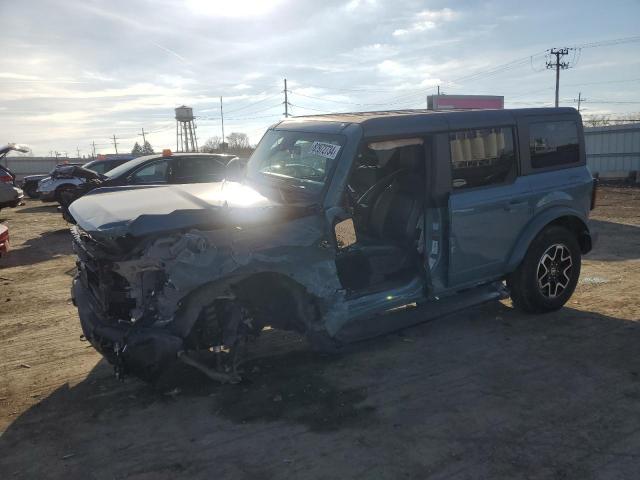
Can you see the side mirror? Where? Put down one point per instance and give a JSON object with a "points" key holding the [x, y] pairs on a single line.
{"points": [[345, 233], [235, 169]]}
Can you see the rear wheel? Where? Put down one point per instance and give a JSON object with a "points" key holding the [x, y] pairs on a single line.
{"points": [[548, 275], [61, 191], [31, 191]]}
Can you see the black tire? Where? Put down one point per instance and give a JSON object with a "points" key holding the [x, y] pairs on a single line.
{"points": [[61, 190], [545, 279], [31, 191]]}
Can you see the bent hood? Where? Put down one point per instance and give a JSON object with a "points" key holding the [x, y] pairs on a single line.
{"points": [[140, 211]]}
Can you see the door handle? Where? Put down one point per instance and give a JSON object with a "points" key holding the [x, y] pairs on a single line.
{"points": [[465, 210], [515, 204]]}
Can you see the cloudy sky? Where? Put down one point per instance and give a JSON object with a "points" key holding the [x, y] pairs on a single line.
{"points": [[79, 71]]}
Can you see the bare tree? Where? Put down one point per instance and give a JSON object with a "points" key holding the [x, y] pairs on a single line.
{"points": [[238, 141], [211, 145], [597, 121]]}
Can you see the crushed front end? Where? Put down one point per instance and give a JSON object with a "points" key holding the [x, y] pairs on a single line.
{"points": [[107, 307]]}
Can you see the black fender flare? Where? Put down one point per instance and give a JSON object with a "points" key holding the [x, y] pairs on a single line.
{"points": [[542, 220]]}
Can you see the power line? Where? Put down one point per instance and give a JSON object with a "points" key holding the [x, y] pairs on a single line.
{"points": [[341, 89], [614, 102], [500, 68], [240, 118], [252, 103], [608, 43]]}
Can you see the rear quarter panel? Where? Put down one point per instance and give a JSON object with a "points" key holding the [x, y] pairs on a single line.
{"points": [[554, 194]]}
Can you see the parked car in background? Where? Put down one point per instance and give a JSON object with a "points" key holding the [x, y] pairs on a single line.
{"points": [[4, 239], [157, 169], [346, 226], [30, 182], [6, 175], [67, 177], [10, 195]]}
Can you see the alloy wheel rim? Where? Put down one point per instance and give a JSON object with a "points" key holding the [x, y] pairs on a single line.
{"points": [[554, 270]]}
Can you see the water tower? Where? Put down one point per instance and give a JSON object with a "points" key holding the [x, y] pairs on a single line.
{"points": [[186, 139]]}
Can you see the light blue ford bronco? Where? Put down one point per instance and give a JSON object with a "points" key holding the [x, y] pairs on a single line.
{"points": [[341, 228]]}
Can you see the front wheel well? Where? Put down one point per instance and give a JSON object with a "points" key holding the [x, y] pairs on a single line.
{"points": [[271, 298], [277, 300], [577, 227]]}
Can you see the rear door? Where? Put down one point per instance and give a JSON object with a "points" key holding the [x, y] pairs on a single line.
{"points": [[489, 203]]}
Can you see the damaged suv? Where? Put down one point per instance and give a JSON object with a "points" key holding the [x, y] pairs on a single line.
{"points": [[344, 227]]}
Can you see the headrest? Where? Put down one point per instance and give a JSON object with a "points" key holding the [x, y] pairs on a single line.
{"points": [[411, 157]]}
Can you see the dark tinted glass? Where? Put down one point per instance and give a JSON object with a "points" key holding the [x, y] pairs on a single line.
{"points": [[154, 172], [99, 167], [198, 170], [553, 143], [481, 157]]}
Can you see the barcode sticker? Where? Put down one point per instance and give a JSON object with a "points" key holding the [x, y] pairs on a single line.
{"points": [[326, 150]]}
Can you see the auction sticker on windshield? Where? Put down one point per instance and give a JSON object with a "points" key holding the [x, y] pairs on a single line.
{"points": [[326, 150]]}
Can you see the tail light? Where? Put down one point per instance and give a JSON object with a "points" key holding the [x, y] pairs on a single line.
{"points": [[594, 193], [6, 178], [4, 239]]}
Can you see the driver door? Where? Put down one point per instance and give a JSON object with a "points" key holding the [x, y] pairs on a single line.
{"points": [[156, 172]]}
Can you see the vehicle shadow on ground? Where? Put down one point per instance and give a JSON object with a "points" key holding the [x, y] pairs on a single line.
{"points": [[42, 208], [622, 241], [516, 390], [44, 247]]}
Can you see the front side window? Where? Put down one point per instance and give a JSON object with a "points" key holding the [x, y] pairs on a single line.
{"points": [[155, 172], [553, 143], [481, 157], [301, 158]]}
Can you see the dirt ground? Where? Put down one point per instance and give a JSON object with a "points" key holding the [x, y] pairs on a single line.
{"points": [[489, 393]]}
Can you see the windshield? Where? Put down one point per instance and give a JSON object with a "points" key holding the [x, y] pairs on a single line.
{"points": [[302, 159]]}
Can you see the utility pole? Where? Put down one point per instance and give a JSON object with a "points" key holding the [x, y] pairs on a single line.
{"points": [[93, 149], [580, 100], [286, 100], [144, 139], [559, 53], [115, 144], [222, 119], [78, 150]]}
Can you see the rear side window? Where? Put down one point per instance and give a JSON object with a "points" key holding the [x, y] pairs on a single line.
{"points": [[553, 143], [199, 170], [101, 167], [482, 157]]}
